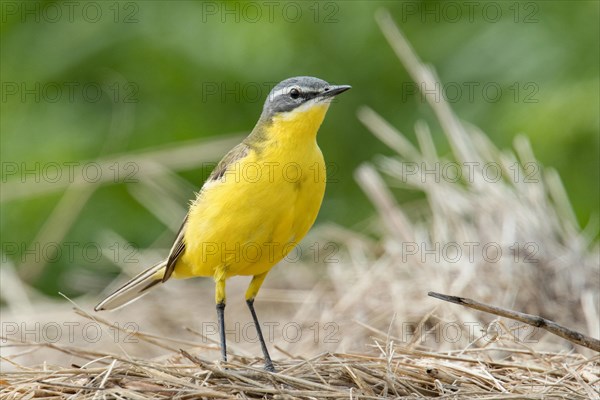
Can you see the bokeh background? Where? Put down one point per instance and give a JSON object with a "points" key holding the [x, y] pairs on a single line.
{"points": [[123, 88]]}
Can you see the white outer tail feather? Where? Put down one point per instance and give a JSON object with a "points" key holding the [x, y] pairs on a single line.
{"points": [[134, 289]]}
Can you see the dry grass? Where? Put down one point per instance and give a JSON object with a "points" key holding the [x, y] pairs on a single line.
{"points": [[389, 338], [397, 371]]}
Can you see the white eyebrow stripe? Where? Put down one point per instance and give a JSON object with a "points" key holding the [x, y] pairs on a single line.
{"points": [[279, 92], [287, 89]]}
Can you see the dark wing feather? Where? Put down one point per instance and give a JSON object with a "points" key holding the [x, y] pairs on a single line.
{"points": [[237, 153], [176, 251]]}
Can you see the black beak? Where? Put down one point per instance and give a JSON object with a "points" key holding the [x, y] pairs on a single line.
{"points": [[332, 91]]}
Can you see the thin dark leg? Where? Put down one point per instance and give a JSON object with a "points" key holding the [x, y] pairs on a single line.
{"points": [[221, 319], [268, 363]]}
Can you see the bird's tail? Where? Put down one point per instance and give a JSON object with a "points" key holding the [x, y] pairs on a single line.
{"points": [[134, 289]]}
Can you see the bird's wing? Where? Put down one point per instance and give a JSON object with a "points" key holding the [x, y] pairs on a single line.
{"points": [[176, 251], [237, 153]]}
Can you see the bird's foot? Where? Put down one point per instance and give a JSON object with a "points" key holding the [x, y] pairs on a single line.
{"points": [[269, 367]]}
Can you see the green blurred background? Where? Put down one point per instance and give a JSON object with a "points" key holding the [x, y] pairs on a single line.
{"points": [[176, 71]]}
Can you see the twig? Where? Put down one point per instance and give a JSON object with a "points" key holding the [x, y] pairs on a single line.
{"points": [[533, 320]]}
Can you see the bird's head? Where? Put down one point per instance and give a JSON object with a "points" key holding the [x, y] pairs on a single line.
{"points": [[300, 101]]}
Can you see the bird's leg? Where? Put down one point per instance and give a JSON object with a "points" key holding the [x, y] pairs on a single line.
{"points": [[268, 363], [250, 294], [221, 319], [220, 300]]}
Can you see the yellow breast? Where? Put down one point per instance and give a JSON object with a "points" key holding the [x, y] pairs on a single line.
{"points": [[263, 205]]}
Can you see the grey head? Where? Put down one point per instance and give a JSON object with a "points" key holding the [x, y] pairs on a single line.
{"points": [[291, 93]]}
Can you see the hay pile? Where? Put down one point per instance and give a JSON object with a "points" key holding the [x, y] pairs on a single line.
{"points": [[396, 372], [391, 340]]}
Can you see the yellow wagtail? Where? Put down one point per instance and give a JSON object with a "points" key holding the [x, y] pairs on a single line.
{"points": [[257, 204]]}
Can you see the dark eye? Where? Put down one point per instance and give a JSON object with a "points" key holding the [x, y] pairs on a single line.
{"points": [[294, 93]]}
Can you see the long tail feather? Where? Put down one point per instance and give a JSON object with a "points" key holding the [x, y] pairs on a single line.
{"points": [[134, 289]]}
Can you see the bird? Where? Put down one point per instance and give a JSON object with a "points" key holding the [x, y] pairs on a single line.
{"points": [[257, 204]]}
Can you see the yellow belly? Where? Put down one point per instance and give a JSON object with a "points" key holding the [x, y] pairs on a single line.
{"points": [[254, 216]]}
